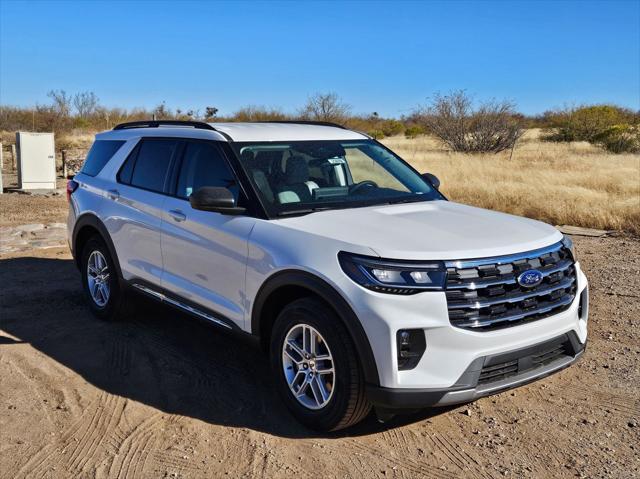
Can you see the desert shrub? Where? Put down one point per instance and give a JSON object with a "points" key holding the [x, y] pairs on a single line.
{"points": [[584, 123], [392, 128], [413, 131], [377, 134], [619, 139], [258, 113], [492, 126]]}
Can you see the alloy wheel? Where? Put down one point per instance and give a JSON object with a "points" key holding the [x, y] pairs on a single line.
{"points": [[308, 366], [98, 278]]}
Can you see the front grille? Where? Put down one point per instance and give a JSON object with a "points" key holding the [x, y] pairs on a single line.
{"points": [[485, 295], [514, 364]]}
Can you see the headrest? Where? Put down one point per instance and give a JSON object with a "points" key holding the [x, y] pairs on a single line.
{"points": [[247, 155], [297, 170]]}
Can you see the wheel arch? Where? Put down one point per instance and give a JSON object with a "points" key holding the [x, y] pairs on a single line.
{"points": [[87, 226], [286, 286]]}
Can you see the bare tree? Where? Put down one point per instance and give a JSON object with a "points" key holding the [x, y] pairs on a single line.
{"points": [[86, 103], [61, 102], [493, 126], [325, 107]]}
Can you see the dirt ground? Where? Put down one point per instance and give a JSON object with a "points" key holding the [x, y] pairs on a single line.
{"points": [[164, 395]]}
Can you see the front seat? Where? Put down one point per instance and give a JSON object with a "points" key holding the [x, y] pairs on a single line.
{"points": [[295, 186], [258, 170]]}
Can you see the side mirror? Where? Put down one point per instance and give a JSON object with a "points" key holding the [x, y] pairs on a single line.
{"points": [[433, 179], [216, 199]]}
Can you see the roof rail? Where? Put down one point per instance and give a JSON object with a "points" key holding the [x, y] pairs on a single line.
{"points": [[305, 122], [157, 123]]}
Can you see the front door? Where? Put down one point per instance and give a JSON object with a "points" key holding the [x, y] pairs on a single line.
{"points": [[205, 253]]}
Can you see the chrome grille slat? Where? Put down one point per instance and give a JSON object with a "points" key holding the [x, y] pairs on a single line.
{"points": [[477, 323], [509, 280], [484, 294], [512, 299]]}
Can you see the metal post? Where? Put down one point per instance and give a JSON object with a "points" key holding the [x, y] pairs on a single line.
{"points": [[1, 166], [14, 158], [64, 164]]}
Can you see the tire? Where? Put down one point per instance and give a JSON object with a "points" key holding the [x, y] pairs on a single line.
{"points": [[346, 403], [113, 302]]}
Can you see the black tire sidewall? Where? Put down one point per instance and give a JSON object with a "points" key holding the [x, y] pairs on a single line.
{"points": [[107, 311], [326, 322]]}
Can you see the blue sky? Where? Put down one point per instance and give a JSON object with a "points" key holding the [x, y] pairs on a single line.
{"points": [[378, 56]]}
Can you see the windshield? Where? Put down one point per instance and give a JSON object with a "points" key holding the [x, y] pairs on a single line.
{"points": [[302, 176]]}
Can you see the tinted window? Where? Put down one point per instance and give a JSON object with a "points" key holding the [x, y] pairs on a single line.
{"points": [[152, 164], [126, 171], [204, 165], [99, 154]]}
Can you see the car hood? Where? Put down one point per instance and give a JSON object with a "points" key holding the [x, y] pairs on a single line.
{"points": [[439, 230]]}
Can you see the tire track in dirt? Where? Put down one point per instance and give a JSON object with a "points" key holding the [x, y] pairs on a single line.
{"points": [[131, 457], [371, 455], [121, 356], [456, 453], [191, 372], [78, 445], [606, 400], [441, 444]]}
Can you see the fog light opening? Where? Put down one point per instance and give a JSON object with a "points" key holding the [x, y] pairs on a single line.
{"points": [[411, 344], [583, 306]]}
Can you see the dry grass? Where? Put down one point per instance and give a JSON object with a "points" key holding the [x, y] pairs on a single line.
{"points": [[575, 183]]}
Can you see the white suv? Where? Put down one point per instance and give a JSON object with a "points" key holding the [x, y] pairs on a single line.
{"points": [[364, 284]]}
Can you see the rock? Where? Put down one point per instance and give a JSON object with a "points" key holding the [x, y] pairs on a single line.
{"points": [[632, 423], [30, 227], [579, 231]]}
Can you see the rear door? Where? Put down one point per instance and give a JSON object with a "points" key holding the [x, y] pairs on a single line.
{"points": [[205, 253], [136, 205]]}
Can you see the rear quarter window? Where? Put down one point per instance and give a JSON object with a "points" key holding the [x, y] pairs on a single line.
{"points": [[152, 164], [99, 154]]}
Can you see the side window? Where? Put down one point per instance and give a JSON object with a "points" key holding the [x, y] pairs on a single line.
{"points": [[204, 165], [152, 164], [126, 170], [100, 153]]}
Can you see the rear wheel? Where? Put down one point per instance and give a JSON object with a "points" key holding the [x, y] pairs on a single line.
{"points": [[316, 369], [100, 282]]}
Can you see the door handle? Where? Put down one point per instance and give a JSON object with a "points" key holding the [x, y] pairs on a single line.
{"points": [[177, 215], [113, 195]]}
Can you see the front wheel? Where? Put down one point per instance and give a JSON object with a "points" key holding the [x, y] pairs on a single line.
{"points": [[316, 369]]}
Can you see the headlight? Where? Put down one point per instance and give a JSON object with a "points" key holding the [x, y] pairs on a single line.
{"points": [[394, 277], [568, 243]]}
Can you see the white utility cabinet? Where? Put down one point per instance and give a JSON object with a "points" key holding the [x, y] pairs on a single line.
{"points": [[36, 161]]}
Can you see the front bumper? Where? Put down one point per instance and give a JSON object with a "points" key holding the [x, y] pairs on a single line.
{"points": [[451, 352], [488, 375]]}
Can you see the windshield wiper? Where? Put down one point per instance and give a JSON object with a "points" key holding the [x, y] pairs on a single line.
{"points": [[303, 211], [405, 200]]}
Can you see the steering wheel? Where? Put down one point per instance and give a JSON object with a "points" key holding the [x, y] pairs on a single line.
{"points": [[362, 184]]}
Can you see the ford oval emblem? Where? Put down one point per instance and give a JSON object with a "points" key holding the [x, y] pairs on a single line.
{"points": [[530, 278]]}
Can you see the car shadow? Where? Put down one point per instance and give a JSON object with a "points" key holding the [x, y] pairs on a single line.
{"points": [[159, 357]]}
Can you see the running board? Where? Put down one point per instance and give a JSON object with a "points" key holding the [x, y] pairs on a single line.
{"points": [[185, 307]]}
